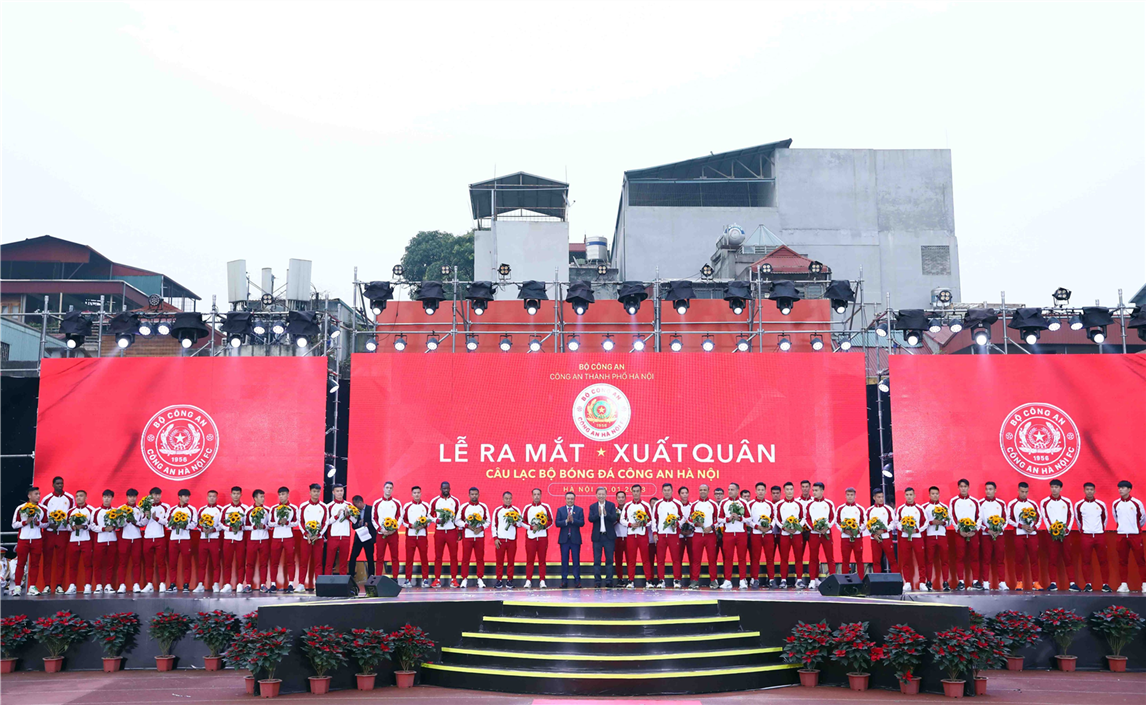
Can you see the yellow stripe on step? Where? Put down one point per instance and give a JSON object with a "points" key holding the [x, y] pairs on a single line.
{"points": [[612, 622], [650, 603], [612, 676], [618, 657], [611, 639]]}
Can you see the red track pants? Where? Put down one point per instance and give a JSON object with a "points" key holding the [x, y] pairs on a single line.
{"points": [[55, 557], [1056, 551], [1131, 544], [1093, 544], [767, 542], [852, 551], [381, 543], [619, 557], [791, 549], [815, 542], [154, 557], [504, 550], [670, 544], [703, 549], [130, 552], [535, 550], [311, 565], [104, 558], [76, 551], [176, 549], [735, 551], [445, 541], [279, 548], [210, 555], [475, 546], [420, 544], [911, 558], [992, 552], [29, 556], [337, 555], [234, 556], [966, 558], [1026, 553], [639, 545], [937, 561], [258, 556], [882, 548]]}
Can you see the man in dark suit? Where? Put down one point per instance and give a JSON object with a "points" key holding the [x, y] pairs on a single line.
{"points": [[602, 520], [569, 520], [364, 520]]}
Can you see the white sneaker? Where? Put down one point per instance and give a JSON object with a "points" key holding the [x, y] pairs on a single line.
{"points": [[59, 590], [135, 588], [199, 588], [299, 587], [1123, 588], [923, 587], [543, 585], [70, 591], [98, 590], [814, 584], [907, 587], [32, 591], [15, 591], [1003, 587], [226, 589], [215, 587], [88, 589], [162, 587], [481, 583], [726, 585], [743, 584], [148, 589], [123, 588]]}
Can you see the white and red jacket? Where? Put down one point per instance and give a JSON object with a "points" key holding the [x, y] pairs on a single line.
{"points": [[883, 512], [1091, 515], [241, 533], [628, 519], [339, 519], [284, 531], [451, 503], [911, 510], [313, 511], [820, 509], [991, 508], [262, 532], [156, 525], [531, 511], [1059, 509], [82, 534], [709, 509], [101, 531], [790, 508], [661, 511], [731, 525], [852, 511], [762, 513], [386, 509], [1015, 509], [215, 511], [1129, 515], [964, 508], [500, 529], [64, 502], [31, 530], [411, 513], [192, 522], [936, 529], [470, 508], [132, 531]]}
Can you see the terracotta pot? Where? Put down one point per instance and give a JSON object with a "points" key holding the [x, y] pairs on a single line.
{"points": [[269, 688], [809, 677], [858, 681], [249, 682], [365, 682], [53, 665], [7, 665], [1066, 663], [953, 689], [1015, 663], [909, 686], [405, 678], [980, 685], [319, 685], [213, 663], [1117, 663], [165, 663], [111, 664]]}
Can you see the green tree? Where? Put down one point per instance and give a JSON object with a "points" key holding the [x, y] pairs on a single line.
{"points": [[429, 250]]}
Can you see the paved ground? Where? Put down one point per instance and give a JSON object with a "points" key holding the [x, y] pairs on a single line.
{"points": [[1028, 688]]}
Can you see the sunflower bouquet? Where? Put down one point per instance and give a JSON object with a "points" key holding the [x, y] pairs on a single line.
{"points": [[352, 513], [127, 514], [390, 524], [735, 511], [1058, 531], [792, 525], [908, 526], [475, 521], [422, 522], [207, 523], [313, 528], [259, 517], [29, 510], [966, 528], [697, 518], [640, 519], [939, 515], [995, 525], [445, 517], [235, 521], [539, 522], [672, 521], [512, 518], [179, 520], [56, 518], [821, 526], [850, 527], [876, 527], [282, 514], [79, 521], [1028, 517], [146, 504], [114, 519]]}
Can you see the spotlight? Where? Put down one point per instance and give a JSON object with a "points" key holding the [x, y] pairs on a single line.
{"points": [[188, 328], [506, 343], [840, 293], [573, 344], [330, 471], [399, 342], [1138, 321], [881, 330], [742, 345], [1098, 335], [266, 300], [1076, 322], [982, 336], [236, 324], [681, 306], [431, 342], [398, 271], [532, 293], [124, 340], [336, 332], [534, 345], [580, 296], [884, 384], [1054, 324], [785, 344], [144, 328], [707, 344], [766, 268], [259, 328], [912, 321], [479, 294], [333, 384], [707, 271], [737, 293], [378, 293], [680, 293], [471, 343], [503, 270], [277, 328], [817, 343], [75, 326], [956, 326], [371, 344], [980, 320], [845, 345], [301, 327], [816, 268], [431, 295], [299, 340], [785, 295], [676, 344], [235, 341], [935, 325], [1095, 319], [1030, 324], [631, 295], [446, 271], [73, 342], [639, 343], [602, 270], [607, 344], [1061, 296], [164, 328]]}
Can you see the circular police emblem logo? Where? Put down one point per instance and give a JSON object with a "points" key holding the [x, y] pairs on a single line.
{"points": [[179, 442], [1040, 441], [601, 412]]}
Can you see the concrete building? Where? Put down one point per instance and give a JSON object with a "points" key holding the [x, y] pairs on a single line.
{"points": [[889, 212]]}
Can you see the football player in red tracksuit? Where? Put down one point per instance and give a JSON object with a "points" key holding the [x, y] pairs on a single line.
{"points": [[1129, 518], [235, 542], [29, 543], [1057, 508], [1091, 514], [387, 508], [851, 548], [820, 509], [179, 542], [964, 506], [445, 534], [1026, 537], [791, 543], [80, 543], [536, 542], [339, 527], [129, 547], [312, 510], [735, 537], [992, 550], [935, 544], [258, 523], [703, 540], [911, 557], [282, 540], [881, 545], [636, 540], [619, 544], [473, 540], [763, 514], [155, 542], [209, 557], [668, 537], [416, 537], [56, 538], [505, 540], [104, 556]]}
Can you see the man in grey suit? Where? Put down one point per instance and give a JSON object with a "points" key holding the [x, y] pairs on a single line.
{"points": [[602, 520], [569, 520]]}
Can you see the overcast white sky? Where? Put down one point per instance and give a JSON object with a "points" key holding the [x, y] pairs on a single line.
{"points": [[177, 137]]}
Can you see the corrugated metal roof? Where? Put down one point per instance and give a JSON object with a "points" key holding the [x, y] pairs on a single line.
{"points": [[737, 164]]}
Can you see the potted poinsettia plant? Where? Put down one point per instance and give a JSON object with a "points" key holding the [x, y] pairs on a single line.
{"points": [[15, 633], [167, 628], [903, 650], [113, 632], [369, 647], [410, 646], [326, 649], [1019, 629], [1061, 625], [952, 650], [808, 645], [216, 629], [266, 650], [989, 651], [1118, 625], [238, 657], [852, 647], [57, 633]]}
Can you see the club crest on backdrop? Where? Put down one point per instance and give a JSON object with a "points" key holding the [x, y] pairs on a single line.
{"points": [[601, 412], [1040, 441], [179, 442]]}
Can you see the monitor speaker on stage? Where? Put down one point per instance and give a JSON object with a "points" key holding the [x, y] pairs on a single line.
{"points": [[335, 586], [840, 585], [382, 586], [883, 584]]}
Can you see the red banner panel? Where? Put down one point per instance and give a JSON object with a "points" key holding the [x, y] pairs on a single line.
{"points": [[579, 421], [174, 423], [1010, 418]]}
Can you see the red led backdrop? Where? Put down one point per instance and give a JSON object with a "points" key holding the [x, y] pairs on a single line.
{"points": [[577, 421]]}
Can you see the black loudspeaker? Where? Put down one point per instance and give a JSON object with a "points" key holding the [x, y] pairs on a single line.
{"points": [[840, 585], [382, 586], [335, 586], [883, 584]]}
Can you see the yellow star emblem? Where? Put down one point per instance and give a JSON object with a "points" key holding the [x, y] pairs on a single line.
{"points": [[601, 451]]}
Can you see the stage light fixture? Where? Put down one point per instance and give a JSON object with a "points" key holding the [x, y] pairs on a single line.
{"points": [[816, 267], [912, 321], [188, 328], [236, 325], [676, 344], [446, 271], [330, 471], [935, 325], [680, 293], [301, 327], [1098, 335], [1030, 323], [1138, 322], [785, 295], [737, 293], [534, 345], [372, 344], [766, 268], [471, 343], [144, 328], [336, 332], [580, 296], [1076, 322], [431, 342], [259, 328], [398, 271], [503, 270], [707, 344], [881, 330], [506, 342], [400, 342], [602, 270], [817, 343], [277, 328], [431, 295], [164, 328], [944, 297], [742, 345], [979, 321], [532, 293], [333, 384], [607, 343], [982, 336], [956, 325], [300, 340], [785, 344], [639, 343], [266, 300], [631, 295], [124, 340], [1054, 324], [235, 341], [845, 345], [378, 293], [573, 344], [479, 294], [884, 384], [707, 271], [1061, 296], [75, 326], [1095, 319], [840, 293]]}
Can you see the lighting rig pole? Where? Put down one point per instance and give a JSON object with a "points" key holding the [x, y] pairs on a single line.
{"points": [[1122, 320]]}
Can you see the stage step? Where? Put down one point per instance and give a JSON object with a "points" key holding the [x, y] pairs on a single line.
{"points": [[649, 609], [587, 626], [596, 661], [610, 644]]}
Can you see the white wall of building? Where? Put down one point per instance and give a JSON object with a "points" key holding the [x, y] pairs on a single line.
{"points": [[534, 250]]}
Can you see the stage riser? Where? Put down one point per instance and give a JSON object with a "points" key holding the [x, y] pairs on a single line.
{"points": [[585, 629], [650, 610], [611, 664], [614, 688], [611, 647]]}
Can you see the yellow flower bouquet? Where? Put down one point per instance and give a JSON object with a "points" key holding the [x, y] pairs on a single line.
{"points": [[966, 528], [474, 521], [908, 526], [390, 524], [235, 522], [179, 520], [312, 529], [850, 527], [640, 518], [207, 523], [1058, 531], [939, 514], [996, 524], [792, 525], [1028, 517], [697, 518], [512, 518], [259, 517], [671, 522]]}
